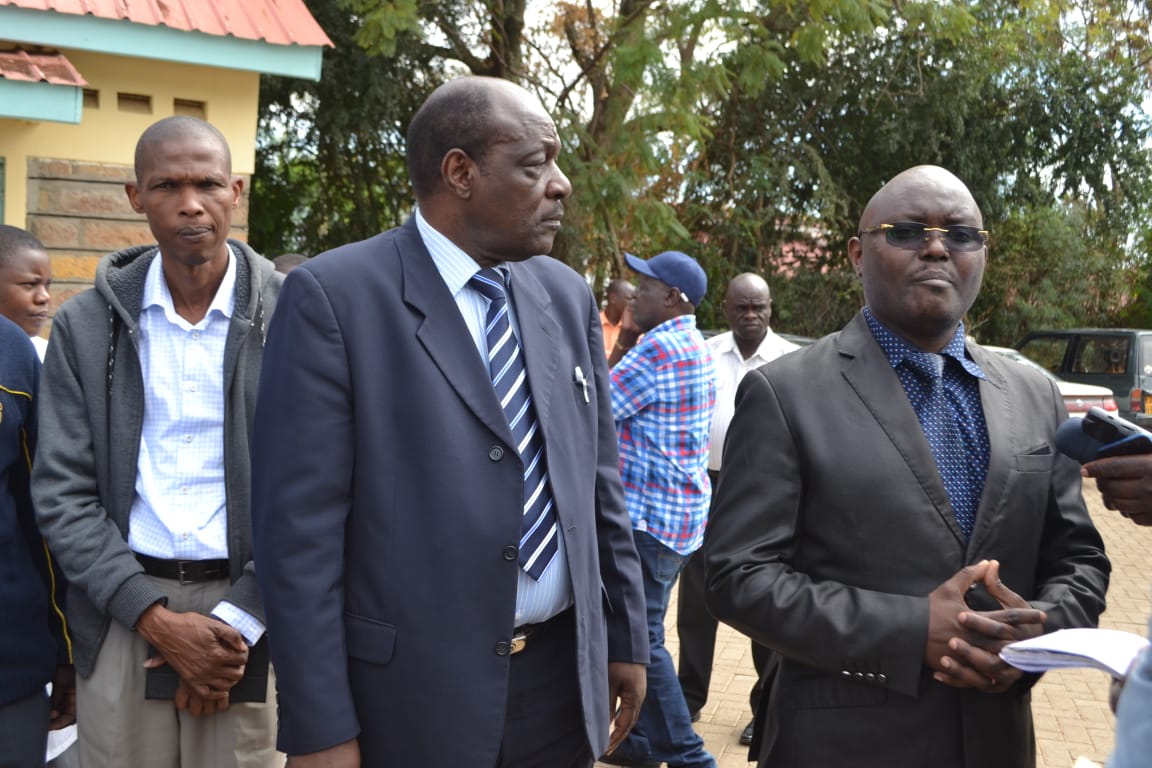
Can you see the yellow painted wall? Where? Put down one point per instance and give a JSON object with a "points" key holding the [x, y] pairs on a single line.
{"points": [[108, 135]]}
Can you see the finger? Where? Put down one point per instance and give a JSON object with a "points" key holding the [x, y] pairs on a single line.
{"points": [[1005, 626], [969, 575], [996, 674], [155, 661]]}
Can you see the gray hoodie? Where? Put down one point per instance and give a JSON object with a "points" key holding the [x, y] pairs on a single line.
{"points": [[91, 413]]}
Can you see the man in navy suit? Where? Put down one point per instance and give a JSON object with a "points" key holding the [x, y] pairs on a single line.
{"points": [[443, 586]]}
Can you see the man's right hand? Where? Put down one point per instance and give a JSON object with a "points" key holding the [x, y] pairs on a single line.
{"points": [[1125, 483], [207, 654], [346, 755], [945, 604]]}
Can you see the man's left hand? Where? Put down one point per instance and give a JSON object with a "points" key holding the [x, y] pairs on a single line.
{"points": [[627, 684], [187, 698], [975, 661], [63, 705]]}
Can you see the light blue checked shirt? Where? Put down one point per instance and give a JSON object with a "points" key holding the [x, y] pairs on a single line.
{"points": [[536, 601], [663, 395], [179, 510]]}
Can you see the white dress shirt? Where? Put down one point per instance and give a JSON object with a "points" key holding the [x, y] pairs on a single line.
{"points": [[730, 369], [536, 601], [179, 512]]}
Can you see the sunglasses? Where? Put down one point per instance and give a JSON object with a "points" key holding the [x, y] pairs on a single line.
{"points": [[912, 236]]}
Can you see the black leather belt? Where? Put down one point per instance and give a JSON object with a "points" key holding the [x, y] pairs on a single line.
{"points": [[184, 571], [524, 633]]}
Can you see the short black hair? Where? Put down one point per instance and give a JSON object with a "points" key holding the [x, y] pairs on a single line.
{"points": [[456, 116], [14, 239], [178, 126]]}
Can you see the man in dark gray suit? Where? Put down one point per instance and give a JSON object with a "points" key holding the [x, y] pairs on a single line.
{"points": [[889, 541], [447, 566]]}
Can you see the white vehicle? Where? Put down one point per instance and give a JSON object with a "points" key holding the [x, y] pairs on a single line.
{"points": [[1078, 398]]}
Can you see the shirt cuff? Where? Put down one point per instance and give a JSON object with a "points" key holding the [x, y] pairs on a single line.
{"points": [[243, 622]]}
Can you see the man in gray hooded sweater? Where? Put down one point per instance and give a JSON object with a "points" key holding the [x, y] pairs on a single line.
{"points": [[142, 473]]}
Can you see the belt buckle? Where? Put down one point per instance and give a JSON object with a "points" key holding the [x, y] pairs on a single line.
{"points": [[180, 572], [519, 642]]}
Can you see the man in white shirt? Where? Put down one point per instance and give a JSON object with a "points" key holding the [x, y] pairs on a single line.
{"points": [[747, 308], [141, 479]]}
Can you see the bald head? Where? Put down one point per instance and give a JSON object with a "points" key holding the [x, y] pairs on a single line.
{"points": [[458, 115], [747, 308], [920, 287], [940, 187], [179, 128]]}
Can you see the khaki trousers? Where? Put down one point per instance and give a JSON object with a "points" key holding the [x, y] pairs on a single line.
{"points": [[119, 728]]}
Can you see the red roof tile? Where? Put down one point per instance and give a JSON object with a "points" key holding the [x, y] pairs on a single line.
{"points": [[39, 67], [279, 22]]}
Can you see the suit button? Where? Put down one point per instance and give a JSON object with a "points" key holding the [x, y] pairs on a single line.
{"points": [[503, 648], [882, 678], [511, 553], [858, 675], [845, 673], [495, 453], [870, 677]]}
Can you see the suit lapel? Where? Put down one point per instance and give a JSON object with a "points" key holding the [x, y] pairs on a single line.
{"points": [[868, 372], [443, 333], [539, 337], [998, 417]]}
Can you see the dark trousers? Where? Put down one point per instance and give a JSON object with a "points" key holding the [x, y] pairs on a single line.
{"points": [[696, 628], [544, 721], [24, 731]]}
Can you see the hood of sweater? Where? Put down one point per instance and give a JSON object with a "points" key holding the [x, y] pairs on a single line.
{"points": [[120, 279]]}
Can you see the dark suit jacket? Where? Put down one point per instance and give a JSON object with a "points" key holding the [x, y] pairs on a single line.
{"points": [[832, 526], [386, 491]]}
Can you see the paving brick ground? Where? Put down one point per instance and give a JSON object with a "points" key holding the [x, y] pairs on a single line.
{"points": [[1070, 706]]}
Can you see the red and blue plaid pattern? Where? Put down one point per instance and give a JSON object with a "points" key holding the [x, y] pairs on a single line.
{"points": [[663, 393]]}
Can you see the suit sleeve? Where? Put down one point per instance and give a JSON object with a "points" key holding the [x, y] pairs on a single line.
{"points": [[1072, 570], [619, 563], [753, 538], [302, 464]]}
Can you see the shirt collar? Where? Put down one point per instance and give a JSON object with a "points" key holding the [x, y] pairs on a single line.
{"points": [[678, 323], [726, 345], [453, 264], [156, 293], [896, 348]]}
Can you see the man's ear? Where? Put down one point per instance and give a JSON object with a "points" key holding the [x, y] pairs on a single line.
{"points": [[133, 193], [237, 190], [458, 171], [855, 253]]}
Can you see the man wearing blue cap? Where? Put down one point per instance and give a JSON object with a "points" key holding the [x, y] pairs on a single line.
{"points": [[663, 393]]}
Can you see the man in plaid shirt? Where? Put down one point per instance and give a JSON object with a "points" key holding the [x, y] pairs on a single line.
{"points": [[663, 393]]}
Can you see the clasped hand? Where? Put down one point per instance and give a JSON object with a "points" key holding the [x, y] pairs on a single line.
{"points": [[964, 645], [207, 654]]}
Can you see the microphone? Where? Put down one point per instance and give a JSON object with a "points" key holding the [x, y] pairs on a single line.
{"points": [[1099, 435]]}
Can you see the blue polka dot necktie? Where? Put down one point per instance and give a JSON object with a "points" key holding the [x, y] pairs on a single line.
{"points": [[938, 420], [538, 537]]}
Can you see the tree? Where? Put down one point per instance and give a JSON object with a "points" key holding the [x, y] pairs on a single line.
{"points": [[330, 157]]}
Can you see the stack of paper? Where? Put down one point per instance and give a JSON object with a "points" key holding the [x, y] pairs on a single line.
{"points": [[1108, 649]]}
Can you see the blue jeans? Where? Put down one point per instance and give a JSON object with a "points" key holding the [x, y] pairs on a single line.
{"points": [[1134, 716], [664, 732]]}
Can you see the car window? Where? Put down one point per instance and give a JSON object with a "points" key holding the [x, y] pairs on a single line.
{"points": [[1146, 354], [1048, 351], [1101, 354]]}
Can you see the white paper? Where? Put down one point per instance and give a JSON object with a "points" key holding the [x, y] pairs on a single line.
{"points": [[1110, 650]]}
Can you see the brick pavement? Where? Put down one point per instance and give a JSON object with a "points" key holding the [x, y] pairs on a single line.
{"points": [[1070, 706]]}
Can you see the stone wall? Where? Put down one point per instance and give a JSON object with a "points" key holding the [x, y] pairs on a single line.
{"points": [[80, 211]]}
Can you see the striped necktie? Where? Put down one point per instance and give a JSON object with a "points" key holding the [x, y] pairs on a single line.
{"points": [[538, 537]]}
